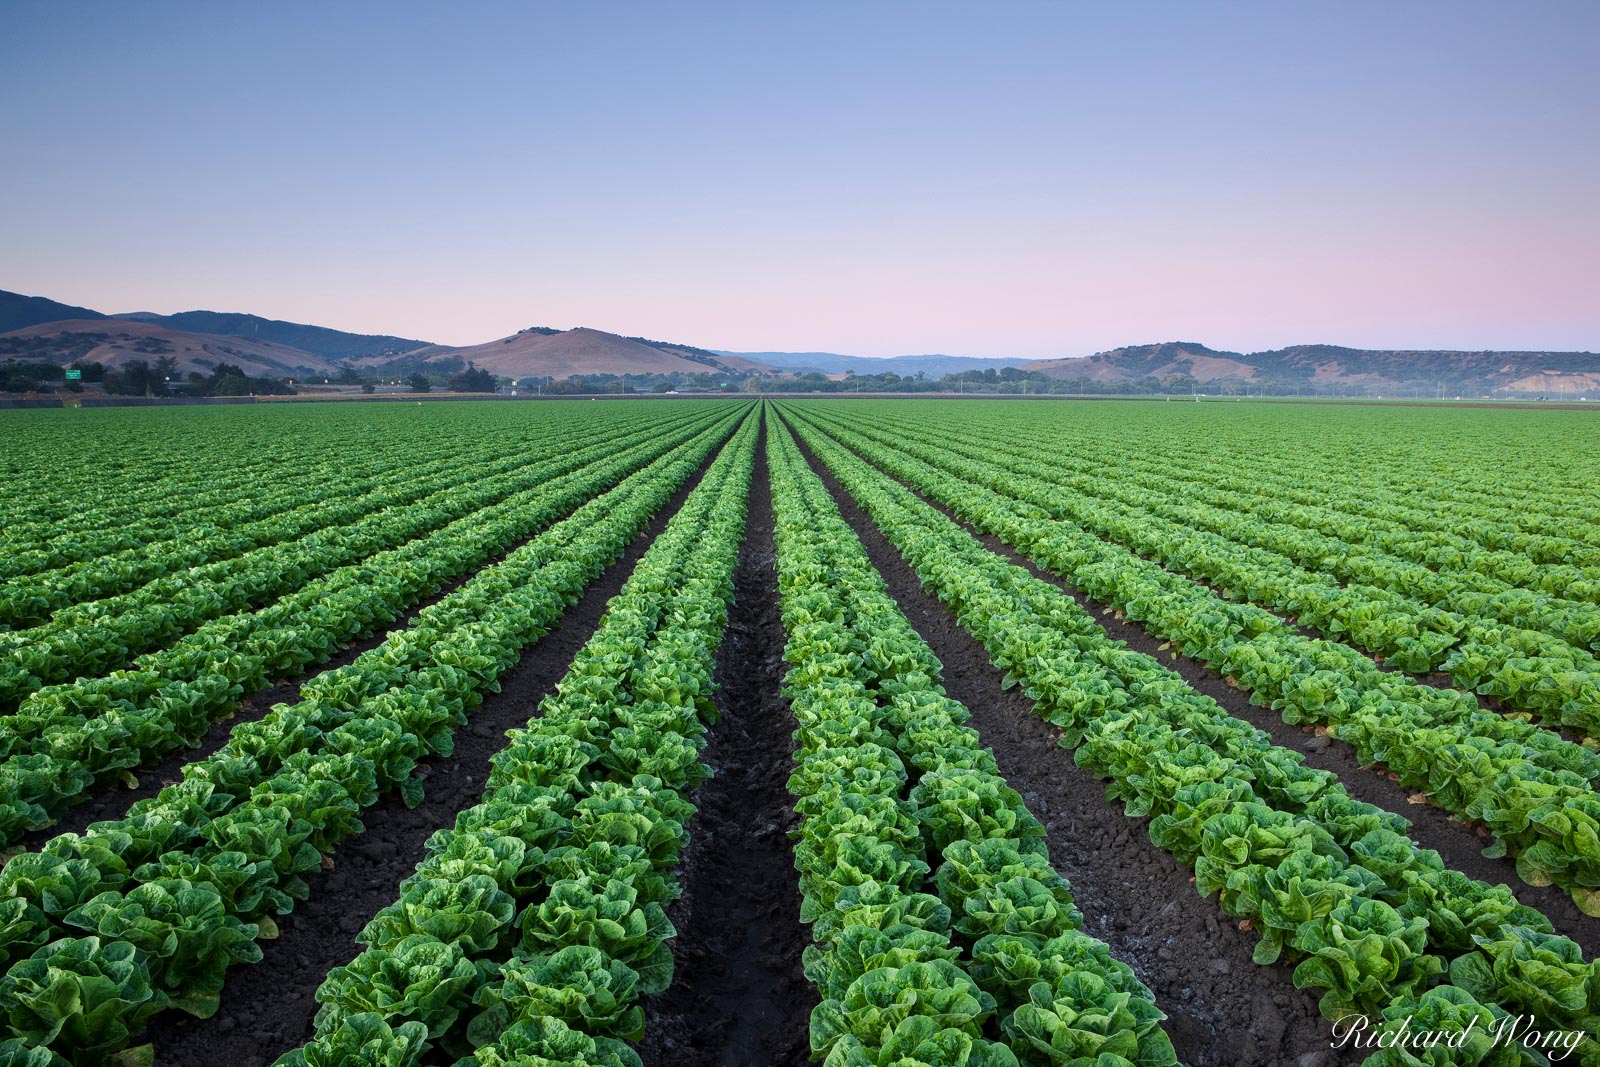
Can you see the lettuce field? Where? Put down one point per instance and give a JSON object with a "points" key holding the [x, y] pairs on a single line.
{"points": [[873, 733]]}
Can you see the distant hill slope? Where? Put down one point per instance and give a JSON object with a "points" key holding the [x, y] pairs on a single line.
{"points": [[325, 342], [115, 342], [34, 327], [1164, 360], [565, 353], [18, 311], [934, 366], [1516, 370], [1331, 365]]}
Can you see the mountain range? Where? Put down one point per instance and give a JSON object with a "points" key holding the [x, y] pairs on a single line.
{"points": [[36, 328], [329, 344], [905, 366], [116, 342], [1332, 366]]}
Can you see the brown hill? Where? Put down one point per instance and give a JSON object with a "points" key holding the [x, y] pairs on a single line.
{"points": [[566, 353], [115, 342], [745, 364], [1332, 365], [1158, 361]]}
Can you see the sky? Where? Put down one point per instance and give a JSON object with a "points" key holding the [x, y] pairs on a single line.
{"points": [[1010, 179]]}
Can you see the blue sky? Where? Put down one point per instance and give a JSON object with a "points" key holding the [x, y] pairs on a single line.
{"points": [[1023, 180]]}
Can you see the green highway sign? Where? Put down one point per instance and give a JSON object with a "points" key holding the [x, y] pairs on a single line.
{"points": [[74, 375]]}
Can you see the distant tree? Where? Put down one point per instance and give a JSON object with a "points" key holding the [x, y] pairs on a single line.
{"points": [[30, 377], [226, 380], [473, 380], [368, 387], [419, 383], [230, 385], [347, 376], [135, 378]]}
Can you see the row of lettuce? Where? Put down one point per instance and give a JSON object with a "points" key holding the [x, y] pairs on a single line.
{"points": [[1538, 585], [280, 510], [59, 464], [1532, 789], [1521, 645], [97, 636], [101, 931], [1481, 541], [1504, 496], [535, 923], [941, 933], [97, 487], [1529, 650], [1379, 925], [67, 739], [1361, 551]]}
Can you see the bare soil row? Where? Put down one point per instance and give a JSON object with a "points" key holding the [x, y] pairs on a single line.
{"points": [[268, 1007], [1459, 844], [738, 996], [1223, 1009]]}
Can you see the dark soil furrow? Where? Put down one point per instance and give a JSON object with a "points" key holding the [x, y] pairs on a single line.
{"points": [[111, 803], [268, 1007], [108, 802], [1458, 843], [1224, 1010], [1438, 679], [738, 995]]}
